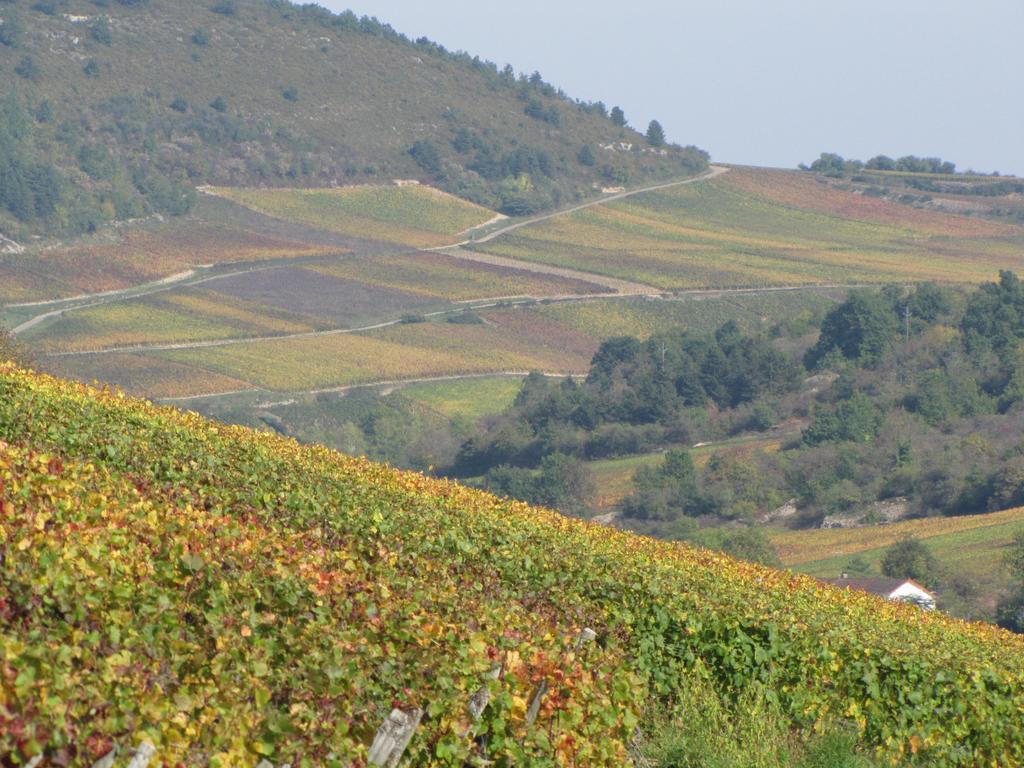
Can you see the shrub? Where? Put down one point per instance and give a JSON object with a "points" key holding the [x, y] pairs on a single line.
{"points": [[100, 32], [225, 7], [201, 37], [291, 93]]}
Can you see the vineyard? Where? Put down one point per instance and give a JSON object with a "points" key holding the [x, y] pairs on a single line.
{"points": [[761, 228], [558, 337], [415, 216], [135, 256], [229, 595], [445, 277]]}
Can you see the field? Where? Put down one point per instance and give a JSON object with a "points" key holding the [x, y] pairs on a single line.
{"points": [[445, 277], [146, 374], [558, 337], [642, 318], [275, 601], [754, 227], [972, 545], [395, 353], [466, 399], [121, 259], [416, 216]]}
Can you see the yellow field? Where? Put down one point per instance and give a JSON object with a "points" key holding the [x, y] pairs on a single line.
{"points": [[756, 227], [797, 548]]}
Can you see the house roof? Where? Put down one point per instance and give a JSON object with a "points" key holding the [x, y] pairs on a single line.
{"points": [[876, 586]]}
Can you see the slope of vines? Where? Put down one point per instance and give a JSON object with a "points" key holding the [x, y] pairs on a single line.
{"points": [[230, 595]]}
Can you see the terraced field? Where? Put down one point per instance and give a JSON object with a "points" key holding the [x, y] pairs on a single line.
{"points": [[415, 216], [756, 227]]}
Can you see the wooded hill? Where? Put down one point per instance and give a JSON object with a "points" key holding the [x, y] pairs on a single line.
{"points": [[113, 109]]}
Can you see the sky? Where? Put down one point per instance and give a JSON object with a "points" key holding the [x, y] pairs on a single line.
{"points": [[766, 83]]}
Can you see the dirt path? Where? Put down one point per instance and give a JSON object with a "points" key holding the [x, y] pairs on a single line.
{"points": [[714, 170]]}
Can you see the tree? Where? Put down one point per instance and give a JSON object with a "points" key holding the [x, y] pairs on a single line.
{"points": [[100, 31], [910, 559], [618, 117], [861, 329], [12, 350], [655, 134], [881, 163], [28, 69], [586, 155], [1010, 610], [11, 30], [427, 155]]}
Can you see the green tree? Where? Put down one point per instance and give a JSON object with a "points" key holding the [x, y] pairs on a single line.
{"points": [[12, 30], [618, 117], [427, 155], [910, 559], [586, 155], [861, 329], [655, 134], [12, 350]]}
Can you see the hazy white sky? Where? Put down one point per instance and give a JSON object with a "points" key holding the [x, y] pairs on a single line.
{"points": [[767, 82]]}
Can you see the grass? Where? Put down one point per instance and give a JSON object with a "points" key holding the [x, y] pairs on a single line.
{"points": [[417, 216], [468, 398], [754, 227], [710, 731]]}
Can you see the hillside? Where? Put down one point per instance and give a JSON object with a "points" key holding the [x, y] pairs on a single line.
{"points": [[230, 595], [115, 110]]}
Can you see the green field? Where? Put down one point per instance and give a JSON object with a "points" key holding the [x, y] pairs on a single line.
{"points": [[466, 398], [754, 227], [416, 216], [642, 318]]}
